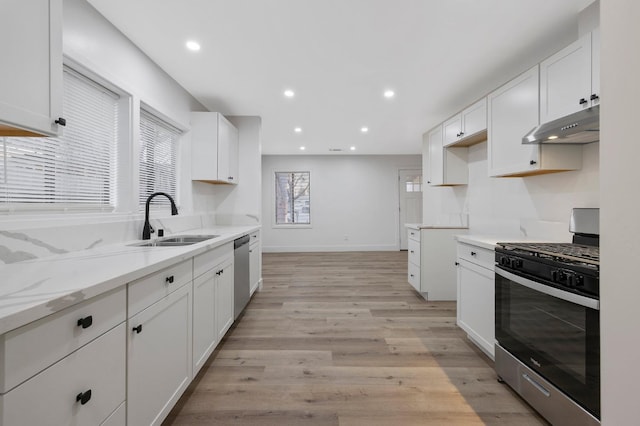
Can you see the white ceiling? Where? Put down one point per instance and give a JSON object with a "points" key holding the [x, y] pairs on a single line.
{"points": [[340, 55]]}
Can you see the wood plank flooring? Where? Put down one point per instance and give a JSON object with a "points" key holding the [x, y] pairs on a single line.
{"points": [[342, 339]]}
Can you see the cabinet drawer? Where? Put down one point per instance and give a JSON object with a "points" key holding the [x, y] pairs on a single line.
{"points": [[118, 417], [148, 290], [414, 234], [206, 261], [50, 398], [30, 349], [413, 276], [414, 252], [255, 237], [478, 255]]}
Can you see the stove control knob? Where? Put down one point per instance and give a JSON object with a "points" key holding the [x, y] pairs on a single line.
{"points": [[570, 279], [504, 260], [516, 263], [579, 281], [554, 275]]}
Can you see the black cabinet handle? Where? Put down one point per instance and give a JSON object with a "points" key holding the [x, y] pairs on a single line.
{"points": [[412, 275], [138, 329], [61, 121], [428, 181], [461, 134], [594, 97], [473, 253], [85, 322], [218, 273], [532, 162], [458, 135], [412, 251], [583, 101], [457, 263], [230, 178], [84, 397], [169, 279]]}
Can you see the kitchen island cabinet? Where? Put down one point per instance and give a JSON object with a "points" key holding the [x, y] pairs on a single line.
{"points": [[431, 261], [31, 71]]}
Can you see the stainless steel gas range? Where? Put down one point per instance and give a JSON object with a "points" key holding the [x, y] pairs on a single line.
{"points": [[548, 322]]}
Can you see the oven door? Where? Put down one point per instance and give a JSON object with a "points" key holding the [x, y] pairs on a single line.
{"points": [[554, 332]]}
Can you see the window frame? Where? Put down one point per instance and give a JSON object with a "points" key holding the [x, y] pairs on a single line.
{"points": [[274, 222]]}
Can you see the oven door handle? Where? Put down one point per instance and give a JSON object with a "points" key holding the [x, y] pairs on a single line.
{"points": [[587, 302]]}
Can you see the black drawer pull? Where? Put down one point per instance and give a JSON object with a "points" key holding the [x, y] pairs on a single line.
{"points": [[138, 329], [84, 397], [532, 162], [412, 251], [169, 279], [61, 121], [457, 263], [583, 101], [473, 253], [85, 322], [594, 97], [230, 177]]}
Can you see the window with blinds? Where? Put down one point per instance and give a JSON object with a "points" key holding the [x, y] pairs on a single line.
{"points": [[293, 198], [157, 161], [77, 168]]}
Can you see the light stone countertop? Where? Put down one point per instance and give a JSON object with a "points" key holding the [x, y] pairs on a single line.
{"points": [[36, 288], [490, 241], [422, 226]]}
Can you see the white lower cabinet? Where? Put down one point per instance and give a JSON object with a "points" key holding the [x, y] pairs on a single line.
{"points": [[224, 298], [84, 388], [476, 300], [159, 357], [205, 332]]}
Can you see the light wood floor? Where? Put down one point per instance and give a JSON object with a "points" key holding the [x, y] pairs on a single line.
{"points": [[342, 339]]}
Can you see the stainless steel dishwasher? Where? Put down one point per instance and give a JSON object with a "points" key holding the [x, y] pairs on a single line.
{"points": [[241, 274]]}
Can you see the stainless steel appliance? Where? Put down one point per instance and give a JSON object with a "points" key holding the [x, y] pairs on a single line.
{"points": [[578, 128], [548, 323], [241, 282]]}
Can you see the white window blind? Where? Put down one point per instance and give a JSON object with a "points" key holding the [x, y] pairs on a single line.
{"points": [[77, 168], [293, 198], [158, 146]]}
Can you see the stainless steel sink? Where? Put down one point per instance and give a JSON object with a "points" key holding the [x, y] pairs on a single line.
{"points": [[179, 240]]}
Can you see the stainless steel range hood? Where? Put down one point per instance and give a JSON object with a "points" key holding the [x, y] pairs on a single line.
{"points": [[578, 128]]}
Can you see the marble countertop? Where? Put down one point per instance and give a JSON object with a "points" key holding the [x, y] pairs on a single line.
{"points": [[36, 288], [490, 241], [423, 226]]}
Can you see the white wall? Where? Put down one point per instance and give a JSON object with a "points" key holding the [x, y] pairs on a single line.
{"points": [[537, 206], [94, 43], [619, 215], [242, 204], [353, 196]]}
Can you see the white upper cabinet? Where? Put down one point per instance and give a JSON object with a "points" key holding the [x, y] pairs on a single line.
{"points": [[512, 112], [445, 166], [570, 79], [214, 153], [467, 128], [31, 71]]}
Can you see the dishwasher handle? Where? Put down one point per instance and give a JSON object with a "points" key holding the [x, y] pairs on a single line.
{"points": [[241, 241]]}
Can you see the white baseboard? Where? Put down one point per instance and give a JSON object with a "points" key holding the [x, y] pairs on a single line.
{"points": [[297, 249]]}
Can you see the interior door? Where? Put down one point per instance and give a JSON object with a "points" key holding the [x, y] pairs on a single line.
{"points": [[410, 189]]}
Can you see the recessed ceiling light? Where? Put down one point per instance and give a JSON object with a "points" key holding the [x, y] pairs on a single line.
{"points": [[302, 148], [353, 148], [364, 129], [389, 94], [193, 45], [289, 93], [298, 129], [552, 137]]}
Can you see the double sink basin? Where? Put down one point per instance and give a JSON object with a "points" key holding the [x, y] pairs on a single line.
{"points": [[179, 240]]}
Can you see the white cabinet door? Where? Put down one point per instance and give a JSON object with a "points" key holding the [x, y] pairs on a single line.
{"points": [[83, 388], [474, 119], [224, 298], [205, 333], [512, 112], [254, 266], [214, 152], [565, 81], [31, 71], [436, 171], [159, 357], [595, 67], [452, 129], [476, 304]]}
